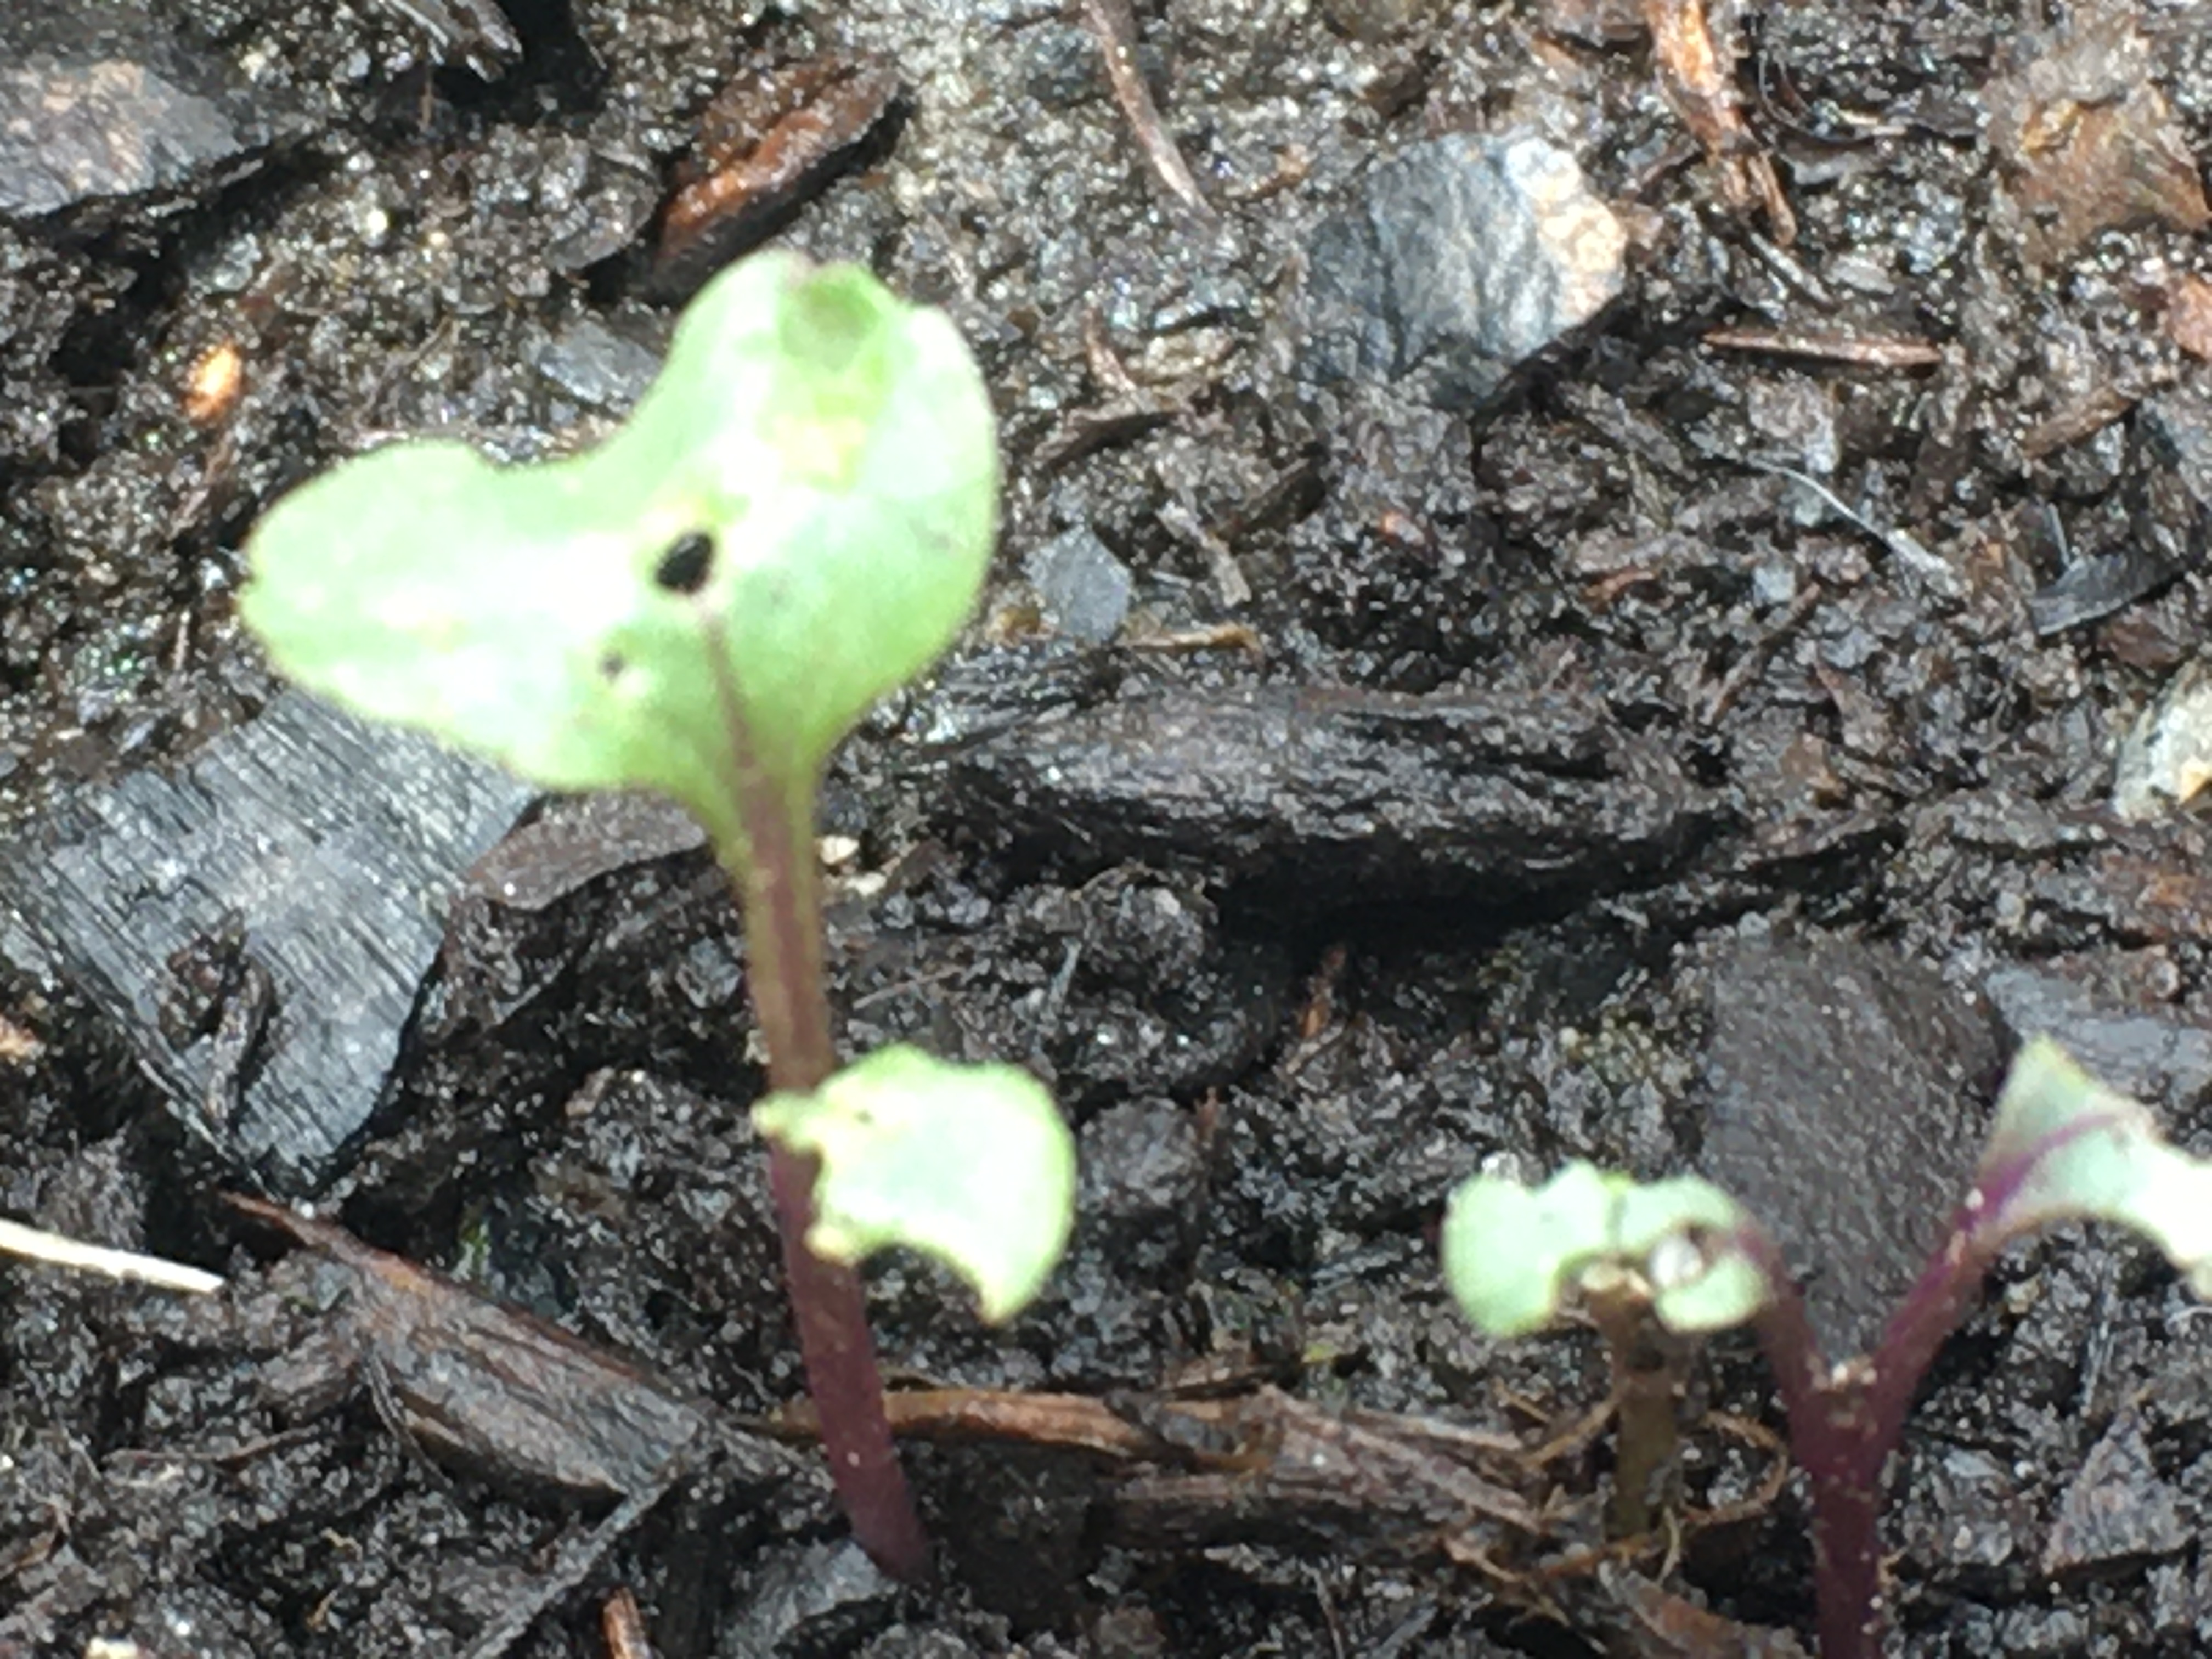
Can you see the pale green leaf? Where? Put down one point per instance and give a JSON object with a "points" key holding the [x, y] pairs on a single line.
{"points": [[971, 1164], [1515, 1256], [833, 444], [2064, 1148]]}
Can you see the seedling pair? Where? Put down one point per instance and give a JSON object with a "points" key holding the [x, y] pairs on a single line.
{"points": [[796, 521], [2061, 1148]]}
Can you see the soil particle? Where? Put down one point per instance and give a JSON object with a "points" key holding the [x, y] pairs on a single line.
{"points": [[2117, 1506], [1848, 1089], [98, 106], [575, 839], [808, 1598], [1461, 260], [475, 32], [1144, 1174], [598, 367], [2143, 1050], [1082, 588]]}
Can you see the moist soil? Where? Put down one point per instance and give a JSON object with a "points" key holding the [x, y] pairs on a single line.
{"points": [[1461, 781]]}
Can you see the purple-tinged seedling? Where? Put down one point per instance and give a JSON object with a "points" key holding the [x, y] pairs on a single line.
{"points": [[797, 520], [2062, 1148]]}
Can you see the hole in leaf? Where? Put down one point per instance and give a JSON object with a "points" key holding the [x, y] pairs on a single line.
{"points": [[685, 568]]}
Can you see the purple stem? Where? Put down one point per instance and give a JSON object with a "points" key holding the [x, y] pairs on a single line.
{"points": [[1834, 1438], [1845, 1422], [779, 892], [848, 1392]]}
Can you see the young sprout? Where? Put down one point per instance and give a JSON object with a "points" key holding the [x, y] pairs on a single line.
{"points": [[2061, 1148], [796, 519]]}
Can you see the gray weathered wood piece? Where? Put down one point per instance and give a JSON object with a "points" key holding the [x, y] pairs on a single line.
{"points": [[338, 845]]}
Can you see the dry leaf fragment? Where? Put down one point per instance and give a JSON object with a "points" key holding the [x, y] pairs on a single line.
{"points": [[2090, 144], [1698, 73], [2189, 316]]}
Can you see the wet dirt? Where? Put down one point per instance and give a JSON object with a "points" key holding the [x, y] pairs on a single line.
{"points": [[1546, 707]]}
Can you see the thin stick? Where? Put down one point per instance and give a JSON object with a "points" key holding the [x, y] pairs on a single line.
{"points": [[1116, 30], [38, 1246], [1832, 345]]}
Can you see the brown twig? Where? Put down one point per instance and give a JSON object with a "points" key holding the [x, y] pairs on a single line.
{"points": [[1697, 73], [1076, 1422], [1110, 20]]}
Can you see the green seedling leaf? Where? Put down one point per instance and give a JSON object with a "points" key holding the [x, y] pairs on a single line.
{"points": [[796, 519], [1514, 1256], [2064, 1148], [972, 1164]]}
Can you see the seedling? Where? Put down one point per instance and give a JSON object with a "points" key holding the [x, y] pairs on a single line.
{"points": [[797, 520], [2061, 1148]]}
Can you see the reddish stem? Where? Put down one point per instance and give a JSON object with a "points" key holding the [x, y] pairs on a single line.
{"points": [[1846, 1422], [772, 858], [1842, 1437], [832, 1314]]}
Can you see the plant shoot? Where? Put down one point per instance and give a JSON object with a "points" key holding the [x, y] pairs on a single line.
{"points": [[796, 519], [2061, 1148]]}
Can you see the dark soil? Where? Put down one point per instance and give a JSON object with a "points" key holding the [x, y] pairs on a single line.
{"points": [[1565, 760]]}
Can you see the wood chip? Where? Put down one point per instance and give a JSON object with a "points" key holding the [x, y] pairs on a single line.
{"points": [[19, 1044], [2092, 413], [2189, 316], [2088, 144], [624, 1626]]}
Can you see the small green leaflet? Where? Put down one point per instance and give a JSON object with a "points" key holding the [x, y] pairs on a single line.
{"points": [[2079, 1150], [1514, 1255], [2062, 1148], [971, 1164]]}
